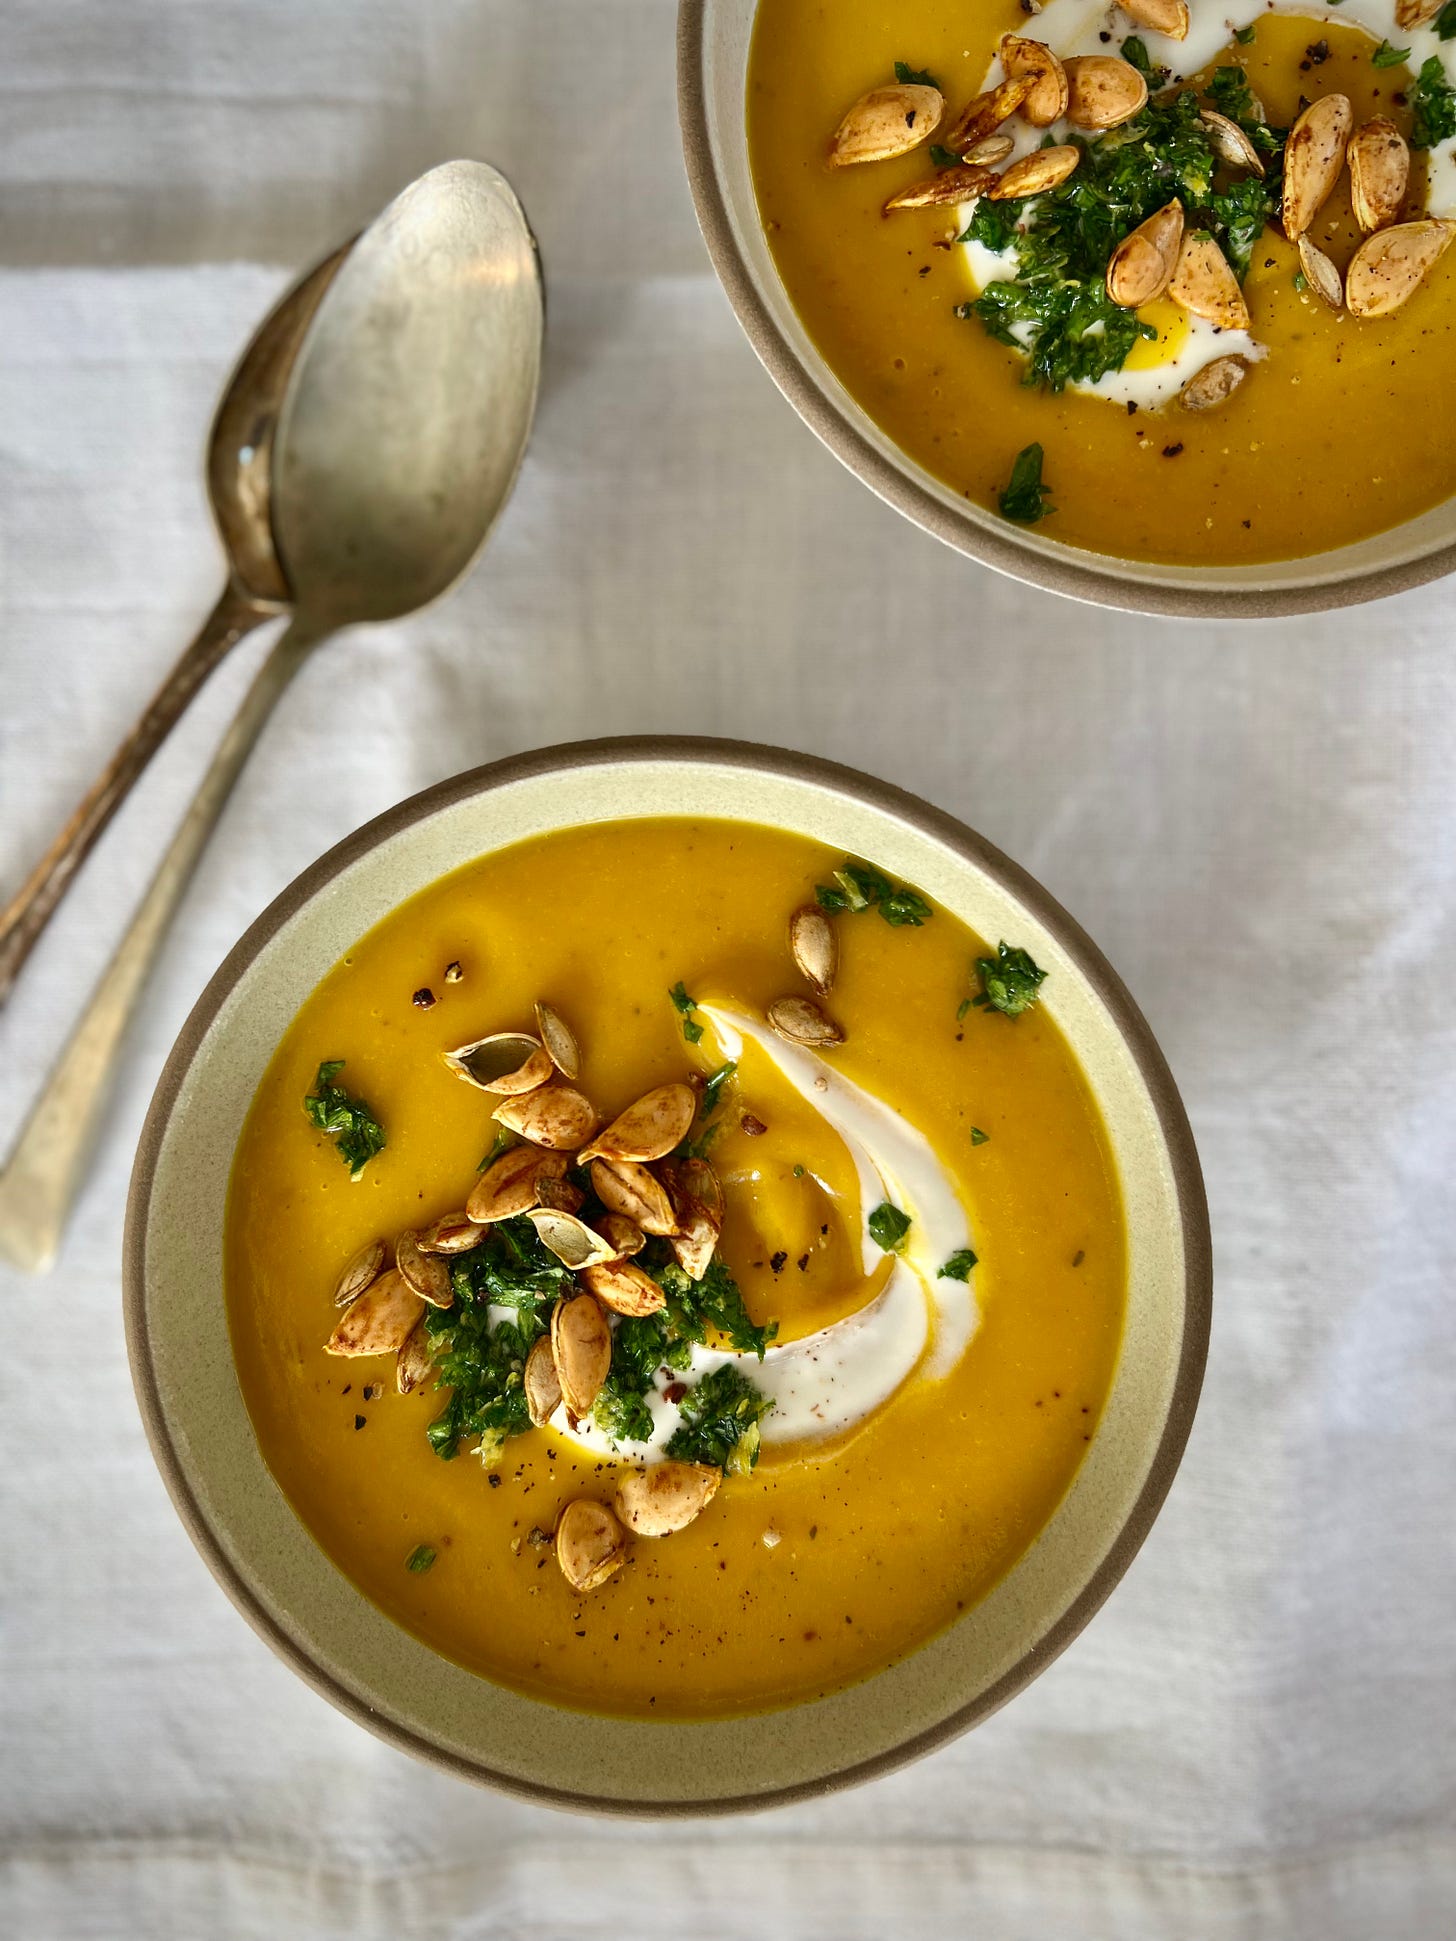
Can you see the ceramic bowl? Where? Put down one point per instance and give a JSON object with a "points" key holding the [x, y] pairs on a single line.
{"points": [[303, 1605], [713, 41]]}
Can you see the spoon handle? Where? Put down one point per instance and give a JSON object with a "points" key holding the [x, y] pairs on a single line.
{"points": [[30, 909], [40, 1181]]}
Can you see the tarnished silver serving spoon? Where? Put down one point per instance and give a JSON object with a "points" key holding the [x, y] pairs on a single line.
{"points": [[401, 428]]}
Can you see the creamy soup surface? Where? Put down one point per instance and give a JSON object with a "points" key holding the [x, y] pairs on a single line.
{"points": [[887, 1499], [1341, 428]]}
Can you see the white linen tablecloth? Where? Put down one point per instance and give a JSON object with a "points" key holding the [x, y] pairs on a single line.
{"points": [[1254, 1737]]}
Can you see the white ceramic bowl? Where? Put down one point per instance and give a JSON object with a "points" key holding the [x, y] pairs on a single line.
{"points": [[309, 1611], [713, 41]]}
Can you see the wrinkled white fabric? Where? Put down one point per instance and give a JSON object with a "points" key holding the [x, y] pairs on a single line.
{"points": [[1256, 822]]}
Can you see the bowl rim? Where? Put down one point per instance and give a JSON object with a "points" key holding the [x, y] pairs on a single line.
{"points": [[922, 817], [1062, 572]]}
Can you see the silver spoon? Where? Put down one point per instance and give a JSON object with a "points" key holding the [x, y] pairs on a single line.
{"points": [[402, 428], [239, 483]]}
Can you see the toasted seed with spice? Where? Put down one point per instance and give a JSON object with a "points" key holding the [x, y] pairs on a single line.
{"points": [[1142, 265], [990, 149], [886, 122], [959, 184], [507, 1063], [428, 1276], [666, 1497], [1321, 275], [452, 1233], [564, 1195], [650, 1127], [379, 1320], [803, 1022], [623, 1186], [624, 1287], [985, 114], [1379, 161], [556, 1116], [415, 1361], [625, 1234], [581, 1343], [1229, 142], [695, 1179], [1047, 101], [573, 1242], [751, 1126], [814, 946], [557, 1037], [1313, 158], [362, 1269], [541, 1383], [1034, 174], [1207, 389], [1103, 92], [590, 1544], [1205, 284], [1390, 266], [1168, 17], [512, 1184]]}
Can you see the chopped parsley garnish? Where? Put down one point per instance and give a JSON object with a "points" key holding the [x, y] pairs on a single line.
{"points": [[856, 887], [1245, 35], [351, 1123], [1055, 308], [713, 1090], [1134, 51], [914, 77], [962, 1008], [716, 1301], [502, 1142], [1387, 56], [978, 1138], [720, 1422], [1445, 22], [1010, 981], [943, 157], [888, 1227], [1434, 101], [691, 1030], [1025, 497], [958, 1267], [1230, 93], [420, 1558]]}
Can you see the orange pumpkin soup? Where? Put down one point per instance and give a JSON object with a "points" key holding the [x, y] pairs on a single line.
{"points": [[753, 1323], [1263, 374]]}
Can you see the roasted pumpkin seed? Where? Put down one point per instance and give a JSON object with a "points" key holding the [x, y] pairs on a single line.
{"points": [[650, 1127], [541, 1383], [886, 122], [1321, 275], [452, 1233], [556, 1116], [1205, 284], [623, 1186], [1229, 142], [581, 1343], [363, 1268], [590, 1544], [1034, 174], [1207, 389], [1047, 100], [814, 946], [959, 184], [1103, 92], [512, 1185], [985, 114], [428, 1276], [1390, 266], [990, 149], [803, 1022], [625, 1234], [1168, 17], [561, 1046], [573, 1242], [1379, 161], [624, 1287], [1142, 265], [415, 1361], [666, 1497], [507, 1063], [379, 1320], [1415, 13], [564, 1195], [1313, 158]]}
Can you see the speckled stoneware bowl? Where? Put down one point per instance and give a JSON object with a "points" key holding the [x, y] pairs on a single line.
{"points": [[304, 1606], [713, 39]]}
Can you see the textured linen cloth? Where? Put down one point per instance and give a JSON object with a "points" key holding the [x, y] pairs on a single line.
{"points": [[1254, 1737]]}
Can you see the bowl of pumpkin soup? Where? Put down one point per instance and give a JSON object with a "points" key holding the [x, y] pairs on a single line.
{"points": [[1153, 305], [667, 1276]]}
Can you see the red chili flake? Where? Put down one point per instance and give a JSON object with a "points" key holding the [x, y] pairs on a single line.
{"points": [[675, 1391], [777, 1261], [752, 1128]]}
